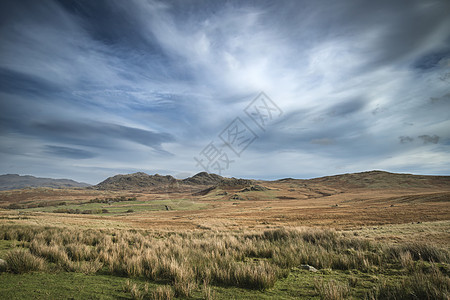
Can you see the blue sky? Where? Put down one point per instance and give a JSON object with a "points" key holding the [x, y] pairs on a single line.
{"points": [[89, 89]]}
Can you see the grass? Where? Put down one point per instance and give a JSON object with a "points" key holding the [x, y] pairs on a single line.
{"points": [[61, 285], [332, 290], [122, 207], [208, 264], [22, 261], [420, 285], [5, 247]]}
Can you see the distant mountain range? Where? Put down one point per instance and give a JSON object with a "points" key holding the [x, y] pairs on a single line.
{"points": [[140, 180], [15, 181], [377, 180]]}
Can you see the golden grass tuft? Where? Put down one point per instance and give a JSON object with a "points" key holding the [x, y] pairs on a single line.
{"points": [[22, 261], [331, 290], [253, 260]]}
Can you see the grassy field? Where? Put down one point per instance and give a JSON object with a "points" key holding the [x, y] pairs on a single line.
{"points": [[286, 241], [122, 207], [278, 263]]}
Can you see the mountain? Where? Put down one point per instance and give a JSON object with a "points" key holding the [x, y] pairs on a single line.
{"points": [[370, 180], [382, 180], [142, 180], [204, 178], [15, 181], [135, 180]]}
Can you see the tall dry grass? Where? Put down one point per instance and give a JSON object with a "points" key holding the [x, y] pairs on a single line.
{"points": [[188, 260], [431, 285], [332, 290], [22, 261]]}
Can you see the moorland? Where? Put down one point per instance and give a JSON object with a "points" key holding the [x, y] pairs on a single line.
{"points": [[370, 235]]}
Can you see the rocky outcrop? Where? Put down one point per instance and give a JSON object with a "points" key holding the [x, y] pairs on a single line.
{"points": [[135, 180]]}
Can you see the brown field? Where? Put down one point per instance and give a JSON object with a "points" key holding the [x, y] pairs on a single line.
{"points": [[370, 237], [291, 203]]}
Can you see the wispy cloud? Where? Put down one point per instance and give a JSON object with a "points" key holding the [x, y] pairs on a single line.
{"points": [[145, 85], [68, 152]]}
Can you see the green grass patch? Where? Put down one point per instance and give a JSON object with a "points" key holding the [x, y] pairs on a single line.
{"points": [[5, 247], [123, 207], [64, 285], [232, 265]]}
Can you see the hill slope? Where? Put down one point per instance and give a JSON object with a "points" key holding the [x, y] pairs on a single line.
{"points": [[368, 180], [204, 178], [382, 180], [15, 181], [135, 180], [141, 180]]}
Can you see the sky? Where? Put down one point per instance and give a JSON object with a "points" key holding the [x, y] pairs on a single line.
{"points": [[251, 89]]}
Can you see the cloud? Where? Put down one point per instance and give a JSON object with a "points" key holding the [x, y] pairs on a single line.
{"points": [[322, 142], [347, 108], [428, 139], [148, 84], [405, 139], [68, 152], [100, 135], [438, 100], [432, 60]]}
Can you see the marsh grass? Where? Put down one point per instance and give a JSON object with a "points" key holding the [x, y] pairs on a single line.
{"points": [[138, 292], [331, 290], [162, 293], [22, 261], [420, 285], [192, 261], [208, 293]]}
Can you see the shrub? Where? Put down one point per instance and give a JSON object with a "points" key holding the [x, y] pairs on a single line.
{"points": [[15, 206], [22, 261]]}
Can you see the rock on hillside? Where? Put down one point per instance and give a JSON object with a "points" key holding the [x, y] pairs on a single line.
{"points": [[204, 178], [135, 180], [15, 181], [235, 183]]}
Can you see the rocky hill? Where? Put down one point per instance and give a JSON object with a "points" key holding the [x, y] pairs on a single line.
{"points": [[204, 178], [135, 180], [15, 181], [142, 180], [371, 180], [382, 180]]}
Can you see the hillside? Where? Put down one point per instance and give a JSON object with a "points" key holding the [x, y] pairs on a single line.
{"points": [[372, 180], [382, 180], [133, 181], [204, 178], [15, 181], [142, 180]]}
